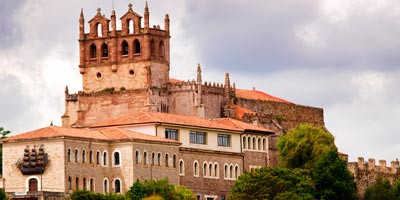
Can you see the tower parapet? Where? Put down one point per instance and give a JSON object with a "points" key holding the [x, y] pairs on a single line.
{"points": [[134, 57]]}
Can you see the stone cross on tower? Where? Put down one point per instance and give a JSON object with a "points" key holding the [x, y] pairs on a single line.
{"points": [[99, 11], [130, 7]]}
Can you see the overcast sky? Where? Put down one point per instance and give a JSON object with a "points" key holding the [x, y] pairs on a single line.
{"points": [[340, 55]]}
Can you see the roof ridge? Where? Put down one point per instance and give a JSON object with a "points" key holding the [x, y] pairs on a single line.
{"points": [[101, 132]]}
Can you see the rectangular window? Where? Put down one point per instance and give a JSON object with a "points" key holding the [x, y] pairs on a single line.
{"points": [[224, 140], [197, 137], [171, 134]]}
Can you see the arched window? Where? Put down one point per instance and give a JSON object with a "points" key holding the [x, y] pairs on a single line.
{"points": [[76, 155], [210, 169], [145, 158], [264, 145], [69, 183], [152, 47], [161, 49], [254, 143], [181, 167], [93, 53], [259, 143], [130, 26], [76, 183], [104, 50], [236, 171], [137, 46], [137, 157], [117, 186], [33, 185], [249, 143], [205, 169], [226, 171], [195, 168], [159, 159], [166, 160], [153, 155], [244, 142], [91, 186], [231, 171], [83, 156], [69, 155], [105, 185], [84, 183], [90, 156], [99, 30], [117, 158], [125, 48], [98, 158], [174, 161], [105, 158]]}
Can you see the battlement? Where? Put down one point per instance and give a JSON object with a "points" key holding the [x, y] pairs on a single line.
{"points": [[370, 165]]}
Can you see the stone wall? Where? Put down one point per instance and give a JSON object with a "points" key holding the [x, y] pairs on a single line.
{"points": [[365, 172], [52, 180], [288, 115], [203, 184]]}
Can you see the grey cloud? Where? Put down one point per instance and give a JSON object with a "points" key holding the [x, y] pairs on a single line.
{"points": [[10, 33], [263, 36]]}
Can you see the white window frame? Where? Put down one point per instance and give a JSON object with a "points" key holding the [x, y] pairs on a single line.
{"points": [[113, 158]]}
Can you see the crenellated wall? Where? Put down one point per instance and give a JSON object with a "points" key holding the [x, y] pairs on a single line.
{"points": [[365, 172]]}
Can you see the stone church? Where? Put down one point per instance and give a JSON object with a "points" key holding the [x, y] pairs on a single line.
{"points": [[133, 121]]}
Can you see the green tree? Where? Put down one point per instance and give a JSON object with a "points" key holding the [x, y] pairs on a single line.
{"points": [[381, 190], [396, 189], [159, 188], [136, 191], [3, 134], [273, 184], [332, 179], [302, 146], [183, 193]]}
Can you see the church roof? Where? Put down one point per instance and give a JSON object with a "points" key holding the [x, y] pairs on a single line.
{"points": [[157, 117], [106, 134], [258, 95]]}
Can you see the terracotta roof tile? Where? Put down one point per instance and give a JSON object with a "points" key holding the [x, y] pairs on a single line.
{"points": [[242, 125], [120, 134], [257, 95], [240, 111], [107, 134], [157, 117], [172, 80]]}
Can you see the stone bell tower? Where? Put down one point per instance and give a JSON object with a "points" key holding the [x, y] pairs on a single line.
{"points": [[134, 57], [123, 71]]}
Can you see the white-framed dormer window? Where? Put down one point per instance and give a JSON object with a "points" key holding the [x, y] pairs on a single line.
{"points": [[181, 167], [116, 158]]}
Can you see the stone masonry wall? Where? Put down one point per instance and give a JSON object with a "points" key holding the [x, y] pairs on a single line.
{"points": [[53, 178], [100, 107], [203, 184], [365, 173], [288, 114]]}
